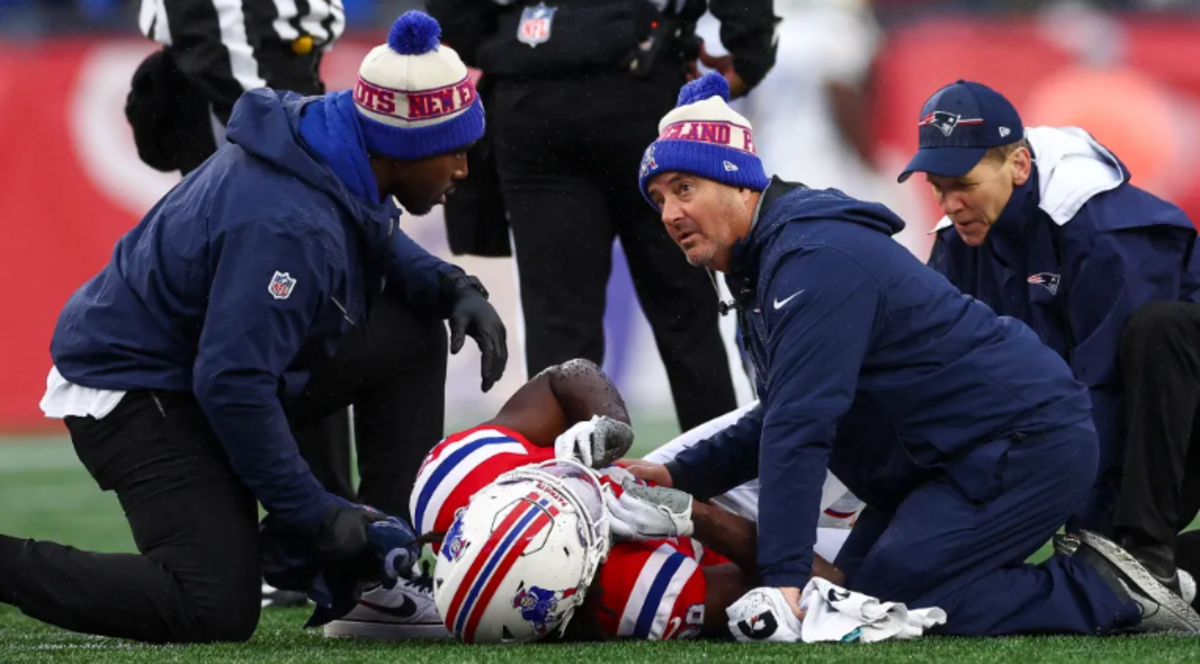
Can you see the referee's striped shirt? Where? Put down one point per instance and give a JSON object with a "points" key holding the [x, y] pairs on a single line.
{"points": [[223, 42]]}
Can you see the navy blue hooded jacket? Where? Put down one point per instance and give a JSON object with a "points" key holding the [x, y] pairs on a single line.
{"points": [[241, 278], [1077, 281], [870, 365]]}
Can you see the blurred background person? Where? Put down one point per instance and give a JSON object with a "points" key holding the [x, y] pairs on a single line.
{"points": [[213, 51], [813, 106]]}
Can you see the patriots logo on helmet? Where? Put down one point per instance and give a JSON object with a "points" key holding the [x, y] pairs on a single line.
{"points": [[947, 122], [454, 544], [1047, 280], [648, 163], [537, 604]]}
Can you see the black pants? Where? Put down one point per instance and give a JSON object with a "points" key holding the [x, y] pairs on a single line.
{"points": [[394, 372], [568, 152], [195, 524], [1160, 362]]}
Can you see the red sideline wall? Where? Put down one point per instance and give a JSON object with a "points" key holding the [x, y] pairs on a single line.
{"points": [[70, 186]]}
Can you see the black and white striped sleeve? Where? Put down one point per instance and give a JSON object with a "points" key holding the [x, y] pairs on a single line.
{"points": [[221, 45]]}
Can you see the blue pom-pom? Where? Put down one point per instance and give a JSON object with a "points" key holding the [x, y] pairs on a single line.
{"points": [[711, 84], [414, 33]]}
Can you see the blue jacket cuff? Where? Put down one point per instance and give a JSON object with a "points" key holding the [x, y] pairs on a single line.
{"points": [[792, 576]]}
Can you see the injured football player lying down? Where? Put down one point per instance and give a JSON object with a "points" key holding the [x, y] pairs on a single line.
{"points": [[539, 531]]}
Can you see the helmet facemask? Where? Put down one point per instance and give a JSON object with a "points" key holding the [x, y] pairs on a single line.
{"points": [[582, 488]]}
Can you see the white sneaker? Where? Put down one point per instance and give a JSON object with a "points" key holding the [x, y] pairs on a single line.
{"points": [[1162, 610], [1187, 587], [407, 611]]}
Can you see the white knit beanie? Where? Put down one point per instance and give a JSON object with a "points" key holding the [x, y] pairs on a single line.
{"points": [[702, 135], [413, 95]]}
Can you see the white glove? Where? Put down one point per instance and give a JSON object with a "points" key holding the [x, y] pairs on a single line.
{"points": [[618, 475], [595, 443], [763, 614], [645, 512]]}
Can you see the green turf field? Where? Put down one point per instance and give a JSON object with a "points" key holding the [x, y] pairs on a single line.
{"points": [[45, 493]]}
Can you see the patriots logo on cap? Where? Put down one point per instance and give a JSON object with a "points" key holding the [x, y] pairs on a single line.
{"points": [[946, 122]]}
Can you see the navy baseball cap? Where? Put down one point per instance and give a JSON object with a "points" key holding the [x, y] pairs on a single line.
{"points": [[958, 125]]}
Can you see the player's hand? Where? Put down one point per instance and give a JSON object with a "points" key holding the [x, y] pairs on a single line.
{"points": [[766, 615], [644, 512], [595, 443], [471, 314], [724, 66], [654, 473]]}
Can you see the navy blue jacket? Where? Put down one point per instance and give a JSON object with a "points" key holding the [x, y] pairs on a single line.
{"points": [[1077, 284], [235, 284], [870, 365]]}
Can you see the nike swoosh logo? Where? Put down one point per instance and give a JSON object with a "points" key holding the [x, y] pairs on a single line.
{"points": [[407, 609], [779, 303]]}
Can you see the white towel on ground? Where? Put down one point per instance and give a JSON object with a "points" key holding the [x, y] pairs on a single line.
{"points": [[832, 613]]}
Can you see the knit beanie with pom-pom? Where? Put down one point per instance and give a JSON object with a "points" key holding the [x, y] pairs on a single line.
{"points": [[413, 96], [703, 136]]}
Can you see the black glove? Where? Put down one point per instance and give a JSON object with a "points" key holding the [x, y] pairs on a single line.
{"points": [[342, 541], [470, 313]]}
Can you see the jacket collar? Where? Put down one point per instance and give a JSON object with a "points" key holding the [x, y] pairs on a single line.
{"points": [[744, 257], [1021, 207], [745, 251]]}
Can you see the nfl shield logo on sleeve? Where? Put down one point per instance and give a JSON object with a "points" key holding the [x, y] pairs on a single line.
{"points": [[281, 285], [535, 24]]}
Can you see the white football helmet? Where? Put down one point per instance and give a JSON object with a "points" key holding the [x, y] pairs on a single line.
{"points": [[519, 558]]}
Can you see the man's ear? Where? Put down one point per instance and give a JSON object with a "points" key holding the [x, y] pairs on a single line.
{"points": [[1022, 166]]}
